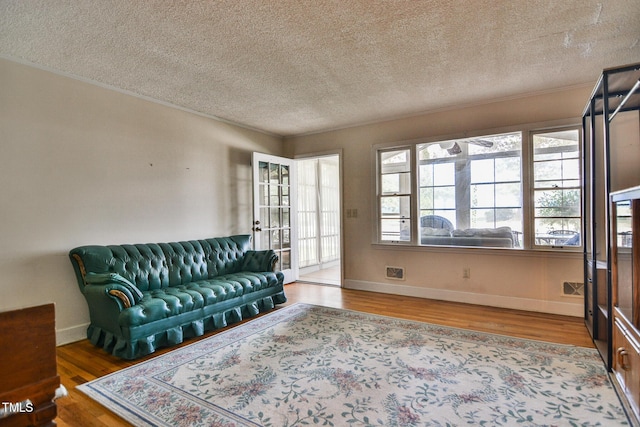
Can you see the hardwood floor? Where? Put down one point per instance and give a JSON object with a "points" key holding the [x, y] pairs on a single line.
{"points": [[81, 362]]}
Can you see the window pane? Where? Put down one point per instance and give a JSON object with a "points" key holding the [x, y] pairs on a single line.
{"points": [[571, 169], [557, 232], [395, 161], [482, 195], [396, 183], [444, 197], [483, 218], [494, 144], [494, 218], [508, 169], [395, 230], [390, 184], [395, 218], [437, 150], [395, 205], [426, 175], [482, 170], [561, 203], [444, 174], [426, 198], [508, 195]]}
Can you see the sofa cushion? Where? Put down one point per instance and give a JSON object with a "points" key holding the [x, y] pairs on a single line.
{"points": [[163, 303], [189, 261]]}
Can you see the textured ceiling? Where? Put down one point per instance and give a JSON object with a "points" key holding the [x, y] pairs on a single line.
{"points": [[292, 67]]}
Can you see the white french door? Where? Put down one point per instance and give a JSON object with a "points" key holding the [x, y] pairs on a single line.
{"points": [[274, 212]]}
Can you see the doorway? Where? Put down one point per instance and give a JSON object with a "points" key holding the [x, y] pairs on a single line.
{"points": [[318, 224]]}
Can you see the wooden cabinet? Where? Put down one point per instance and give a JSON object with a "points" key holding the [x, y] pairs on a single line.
{"points": [[28, 372], [625, 282], [626, 363]]}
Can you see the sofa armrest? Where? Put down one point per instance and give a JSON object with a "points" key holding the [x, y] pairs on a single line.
{"points": [[117, 286], [259, 261]]}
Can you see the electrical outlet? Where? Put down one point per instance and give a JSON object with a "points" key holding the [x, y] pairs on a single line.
{"points": [[466, 273]]}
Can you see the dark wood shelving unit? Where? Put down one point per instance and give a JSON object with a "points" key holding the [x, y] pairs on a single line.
{"points": [[616, 92], [611, 176]]}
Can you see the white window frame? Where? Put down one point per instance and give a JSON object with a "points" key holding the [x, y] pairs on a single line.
{"points": [[533, 188], [379, 194], [527, 179]]}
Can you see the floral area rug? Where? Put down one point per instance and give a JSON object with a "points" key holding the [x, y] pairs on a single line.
{"points": [[309, 365]]}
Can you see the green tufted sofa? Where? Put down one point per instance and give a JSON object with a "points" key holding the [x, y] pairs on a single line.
{"points": [[145, 296]]}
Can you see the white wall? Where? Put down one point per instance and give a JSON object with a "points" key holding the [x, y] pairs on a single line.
{"points": [[81, 164], [515, 279]]}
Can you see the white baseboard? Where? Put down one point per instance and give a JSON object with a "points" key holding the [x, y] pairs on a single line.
{"points": [[79, 332], [72, 334], [527, 304]]}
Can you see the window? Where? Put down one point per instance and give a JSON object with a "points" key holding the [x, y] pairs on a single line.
{"points": [[395, 195], [556, 186], [469, 191], [475, 184]]}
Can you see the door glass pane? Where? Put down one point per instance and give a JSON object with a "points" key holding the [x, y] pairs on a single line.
{"points": [[274, 195], [263, 172], [284, 171], [275, 239], [274, 173], [286, 238], [263, 194], [285, 259], [265, 240], [274, 215]]}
